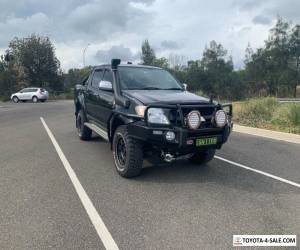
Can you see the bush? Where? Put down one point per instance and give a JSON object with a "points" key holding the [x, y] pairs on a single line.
{"points": [[200, 93], [293, 114], [62, 95], [258, 110]]}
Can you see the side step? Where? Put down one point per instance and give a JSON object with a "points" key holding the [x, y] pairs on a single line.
{"points": [[97, 130]]}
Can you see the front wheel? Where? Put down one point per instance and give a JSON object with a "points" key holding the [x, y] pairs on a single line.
{"points": [[204, 156], [15, 99], [128, 153]]}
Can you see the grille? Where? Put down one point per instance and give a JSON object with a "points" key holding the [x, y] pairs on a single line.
{"points": [[206, 111]]}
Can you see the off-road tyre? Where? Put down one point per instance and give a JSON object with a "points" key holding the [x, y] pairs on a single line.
{"points": [[84, 132], [202, 157], [131, 166]]}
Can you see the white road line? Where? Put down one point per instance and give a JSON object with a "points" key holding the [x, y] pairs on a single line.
{"points": [[259, 172], [95, 218]]}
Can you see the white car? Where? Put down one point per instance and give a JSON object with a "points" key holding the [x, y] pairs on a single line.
{"points": [[30, 94]]}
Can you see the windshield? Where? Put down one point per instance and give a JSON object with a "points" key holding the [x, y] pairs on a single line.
{"points": [[147, 78]]}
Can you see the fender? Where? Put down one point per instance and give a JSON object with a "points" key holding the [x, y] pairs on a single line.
{"points": [[79, 102], [119, 118]]}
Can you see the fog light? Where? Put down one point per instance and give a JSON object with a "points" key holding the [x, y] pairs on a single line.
{"points": [[170, 136]]}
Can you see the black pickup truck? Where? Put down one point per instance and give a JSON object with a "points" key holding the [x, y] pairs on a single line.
{"points": [[144, 111]]}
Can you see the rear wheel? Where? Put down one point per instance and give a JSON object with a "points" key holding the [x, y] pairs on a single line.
{"points": [[204, 156], [43, 100], [15, 99], [35, 99], [128, 153], [84, 132]]}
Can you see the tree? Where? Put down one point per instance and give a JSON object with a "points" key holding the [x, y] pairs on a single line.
{"points": [[295, 55], [148, 54], [35, 55], [217, 68], [161, 62], [274, 67], [75, 76], [11, 76]]}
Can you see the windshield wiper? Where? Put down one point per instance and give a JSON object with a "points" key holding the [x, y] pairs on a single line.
{"points": [[173, 89], [147, 88]]}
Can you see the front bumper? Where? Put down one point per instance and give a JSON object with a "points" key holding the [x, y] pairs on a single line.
{"points": [[185, 139]]}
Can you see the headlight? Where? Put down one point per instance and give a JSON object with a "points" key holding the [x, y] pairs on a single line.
{"points": [[157, 115], [220, 118], [140, 110]]}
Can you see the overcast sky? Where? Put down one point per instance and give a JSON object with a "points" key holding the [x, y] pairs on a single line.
{"points": [[116, 28]]}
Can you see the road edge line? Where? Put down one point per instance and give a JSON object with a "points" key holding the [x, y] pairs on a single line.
{"points": [[94, 216], [259, 172]]}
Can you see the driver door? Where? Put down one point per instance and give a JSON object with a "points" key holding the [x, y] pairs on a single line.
{"points": [[22, 94], [92, 97]]}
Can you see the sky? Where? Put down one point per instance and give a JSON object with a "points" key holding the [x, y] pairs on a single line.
{"points": [[116, 28]]}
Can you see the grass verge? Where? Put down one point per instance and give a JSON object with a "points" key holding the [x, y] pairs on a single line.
{"points": [[267, 113]]}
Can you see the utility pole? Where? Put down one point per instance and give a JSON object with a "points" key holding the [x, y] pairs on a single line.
{"points": [[83, 54]]}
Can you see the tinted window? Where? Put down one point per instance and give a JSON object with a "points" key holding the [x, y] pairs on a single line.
{"points": [[28, 90], [147, 78], [97, 77], [108, 76]]}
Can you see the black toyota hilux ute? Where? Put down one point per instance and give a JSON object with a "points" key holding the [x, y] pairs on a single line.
{"points": [[144, 111]]}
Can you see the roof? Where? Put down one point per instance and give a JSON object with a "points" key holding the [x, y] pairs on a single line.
{"points": [[127, 65]]}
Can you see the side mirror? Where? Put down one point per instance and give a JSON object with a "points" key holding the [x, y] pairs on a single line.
{"points": [[105, 85], [185, 86]]}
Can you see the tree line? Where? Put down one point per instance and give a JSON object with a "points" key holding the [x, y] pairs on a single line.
{"points": [[272, 70]]}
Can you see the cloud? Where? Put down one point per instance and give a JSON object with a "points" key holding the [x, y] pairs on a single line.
{"points": [[168, 44], [121, 52], [91, 21], [260, 19], [117, 28], [22, 27], [248, 5]]}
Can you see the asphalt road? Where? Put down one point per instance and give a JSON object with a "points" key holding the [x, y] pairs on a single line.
{"points": [[176, 206]]}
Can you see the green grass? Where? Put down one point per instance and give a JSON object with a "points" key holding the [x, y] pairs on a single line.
{"points": [[269, 114], [4, 98], [293, 114], [61, 95]]}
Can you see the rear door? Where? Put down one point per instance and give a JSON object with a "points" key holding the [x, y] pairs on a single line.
{"points": [[27, 93], [31, 92]]}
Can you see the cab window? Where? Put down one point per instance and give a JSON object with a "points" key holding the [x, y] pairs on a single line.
{"points": [[108, 76], [97, 77]]}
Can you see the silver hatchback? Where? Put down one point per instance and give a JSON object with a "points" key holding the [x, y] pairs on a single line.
{"points": [[30, 94]]}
